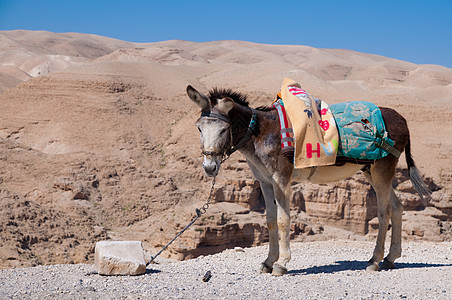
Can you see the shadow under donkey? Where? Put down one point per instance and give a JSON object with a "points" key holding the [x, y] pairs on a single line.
{"points": [[356, 265]]}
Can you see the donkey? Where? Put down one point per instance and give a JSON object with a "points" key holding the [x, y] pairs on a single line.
{"points": [[228, 123]]}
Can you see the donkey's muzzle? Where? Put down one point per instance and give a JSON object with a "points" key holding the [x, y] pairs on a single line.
{"points": [[211, 167], [211, 170]]}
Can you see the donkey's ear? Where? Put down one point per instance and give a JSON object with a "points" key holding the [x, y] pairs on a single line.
{"points": [[199, 98], [225, 105]]}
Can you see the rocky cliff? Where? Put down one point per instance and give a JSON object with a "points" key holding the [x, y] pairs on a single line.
{"points": [[105, 147]]}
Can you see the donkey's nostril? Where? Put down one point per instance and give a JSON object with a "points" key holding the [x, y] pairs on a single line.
{"points": [[210, 169]]}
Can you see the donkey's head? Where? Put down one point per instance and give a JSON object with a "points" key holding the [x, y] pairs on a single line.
{"points": [[214, 127]]}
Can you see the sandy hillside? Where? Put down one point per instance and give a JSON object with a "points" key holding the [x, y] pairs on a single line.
{"points": [[97, 137]]}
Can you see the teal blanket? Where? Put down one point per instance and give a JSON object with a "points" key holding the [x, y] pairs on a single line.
{"points": [[361, 130]]}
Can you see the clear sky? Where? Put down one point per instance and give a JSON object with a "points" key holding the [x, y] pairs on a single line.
{"points": [[418, 31]]}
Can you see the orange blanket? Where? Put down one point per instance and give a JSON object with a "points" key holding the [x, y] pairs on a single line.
{"points": [[315, 132]]}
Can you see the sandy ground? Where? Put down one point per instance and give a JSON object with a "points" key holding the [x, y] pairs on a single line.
{"points": [[318, 270]]}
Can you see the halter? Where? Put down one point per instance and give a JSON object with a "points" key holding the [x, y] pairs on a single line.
{"points": [[252, 129]]}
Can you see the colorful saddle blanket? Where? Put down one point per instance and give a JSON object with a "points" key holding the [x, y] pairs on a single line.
{"points": [[308, 129], [362, 132], [360, 129]]}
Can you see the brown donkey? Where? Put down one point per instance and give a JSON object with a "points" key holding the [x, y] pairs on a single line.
{"points": [[227, 123]]}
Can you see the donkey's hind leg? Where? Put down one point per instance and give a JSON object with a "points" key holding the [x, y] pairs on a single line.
{"points": [[395, 251], [273, 248], [380, 176]]}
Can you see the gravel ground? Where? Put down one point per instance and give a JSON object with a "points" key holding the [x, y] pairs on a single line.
{"points": [[318, 270]]}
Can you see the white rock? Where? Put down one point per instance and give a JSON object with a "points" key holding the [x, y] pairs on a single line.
{"points": [[119, 258]]}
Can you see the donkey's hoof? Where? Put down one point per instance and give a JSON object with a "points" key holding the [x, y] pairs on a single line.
{"points": [[372, 267], [387, 265], [278, 270], [265, 269]]}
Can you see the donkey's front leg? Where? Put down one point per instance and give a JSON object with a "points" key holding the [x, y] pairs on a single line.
{"points": [[283, 220], [273, 248]]}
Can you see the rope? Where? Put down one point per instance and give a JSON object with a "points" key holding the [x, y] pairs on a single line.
{"points": [[199, 212]]}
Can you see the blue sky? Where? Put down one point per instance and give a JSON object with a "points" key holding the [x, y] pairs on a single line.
{"points": [[411, 30]]}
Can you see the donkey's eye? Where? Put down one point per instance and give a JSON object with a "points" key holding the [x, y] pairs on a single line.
{"points": [[223, 131], [199, 129]]}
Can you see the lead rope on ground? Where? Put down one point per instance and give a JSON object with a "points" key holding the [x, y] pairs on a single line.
{"points": [[199, 212]]}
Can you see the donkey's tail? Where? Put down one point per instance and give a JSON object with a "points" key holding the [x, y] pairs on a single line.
{"points": [[416, 177]]}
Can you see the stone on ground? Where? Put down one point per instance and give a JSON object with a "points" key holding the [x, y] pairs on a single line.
{"points": [[119, 258]]}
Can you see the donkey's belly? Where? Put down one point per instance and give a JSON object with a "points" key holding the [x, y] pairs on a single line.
{"points": [[326, 174]]}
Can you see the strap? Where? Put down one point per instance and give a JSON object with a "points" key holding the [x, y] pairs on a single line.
{"points": [[215, 116], [252, 128], [380, 142], [287, 130], [311, 172], [387, 147], [287, 140]]}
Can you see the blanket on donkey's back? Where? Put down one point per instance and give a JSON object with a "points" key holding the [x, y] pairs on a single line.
{"points": [[361, 130], [314, 129], [321, 133]]}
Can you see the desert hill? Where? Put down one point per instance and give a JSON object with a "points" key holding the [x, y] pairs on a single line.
{"points": [[27, 54], [97, 141]]}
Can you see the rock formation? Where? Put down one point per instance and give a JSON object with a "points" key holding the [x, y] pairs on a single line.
{"points": [[105, 147]]}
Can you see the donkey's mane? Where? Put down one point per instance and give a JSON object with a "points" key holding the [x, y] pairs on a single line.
{"points": [[215, 94]]}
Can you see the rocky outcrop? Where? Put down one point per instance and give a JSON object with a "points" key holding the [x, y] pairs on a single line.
{"points": [[109, 150], [29, 230], [349, 204], [245, 192]]}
